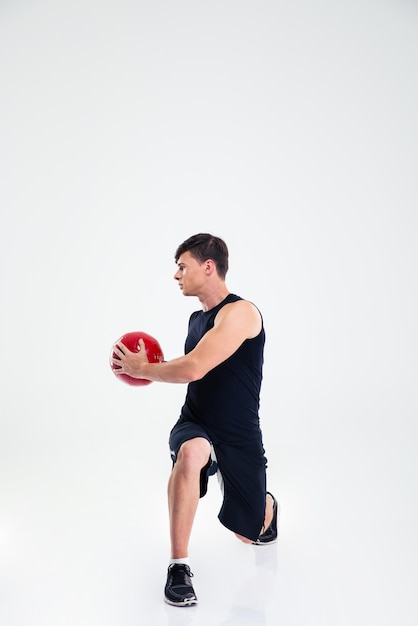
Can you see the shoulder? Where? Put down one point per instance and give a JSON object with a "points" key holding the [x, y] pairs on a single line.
{"points": [[239, 305], [242, 313]]}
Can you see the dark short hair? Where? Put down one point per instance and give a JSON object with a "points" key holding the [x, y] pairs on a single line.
{"points": [[204, 246]]}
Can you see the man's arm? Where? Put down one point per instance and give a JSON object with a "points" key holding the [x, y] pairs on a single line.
{"points": [[234, 323]]}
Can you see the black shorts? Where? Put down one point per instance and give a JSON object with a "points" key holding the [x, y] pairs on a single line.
{"points": [[242, 474]]}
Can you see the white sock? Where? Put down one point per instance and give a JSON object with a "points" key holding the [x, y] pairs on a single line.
{"points": [[183, 561]]}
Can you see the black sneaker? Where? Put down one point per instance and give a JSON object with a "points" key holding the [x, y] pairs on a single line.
{"points": [[179, 590], [270, 534]]}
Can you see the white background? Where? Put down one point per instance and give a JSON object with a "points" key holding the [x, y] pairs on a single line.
{"points": [[289, 129]]}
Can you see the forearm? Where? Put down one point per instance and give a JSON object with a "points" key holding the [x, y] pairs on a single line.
{"points": [[179, 370]]}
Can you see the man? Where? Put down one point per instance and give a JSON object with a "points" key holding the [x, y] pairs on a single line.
{"points": [[218, 428]]}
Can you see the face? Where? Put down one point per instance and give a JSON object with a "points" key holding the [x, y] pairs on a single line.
{"points": [[190, 274]]}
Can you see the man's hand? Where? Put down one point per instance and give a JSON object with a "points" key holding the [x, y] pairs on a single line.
{"points": [[126, 362]]}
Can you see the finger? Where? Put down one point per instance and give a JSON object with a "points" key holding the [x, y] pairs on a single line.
{"points": [[116, 363], [142, 346], [118, 349]]}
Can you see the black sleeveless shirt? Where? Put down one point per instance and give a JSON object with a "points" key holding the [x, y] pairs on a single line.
{"points": [[225, 402]]}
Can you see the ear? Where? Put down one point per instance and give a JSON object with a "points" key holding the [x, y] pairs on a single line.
{"points": [[209, 267]]}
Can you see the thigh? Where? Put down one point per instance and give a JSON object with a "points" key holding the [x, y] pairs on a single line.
{"points": [[243, 473]]}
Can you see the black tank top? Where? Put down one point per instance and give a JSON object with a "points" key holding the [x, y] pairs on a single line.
{"points": [[226, 400]]}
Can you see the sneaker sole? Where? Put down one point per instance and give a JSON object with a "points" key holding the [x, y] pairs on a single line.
{"points": [[186, 603]]}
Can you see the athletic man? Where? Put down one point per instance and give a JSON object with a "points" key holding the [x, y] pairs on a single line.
{"points": [[218, 428]]}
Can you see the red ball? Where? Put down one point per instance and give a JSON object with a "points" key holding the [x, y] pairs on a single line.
{"points": [[131, 341]]}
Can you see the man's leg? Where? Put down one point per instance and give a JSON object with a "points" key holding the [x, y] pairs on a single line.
{"points": [[183, 498], [267, 519], [184, 493]]}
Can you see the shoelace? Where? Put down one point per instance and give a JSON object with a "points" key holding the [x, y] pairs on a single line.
{"points": [[179, 574]]}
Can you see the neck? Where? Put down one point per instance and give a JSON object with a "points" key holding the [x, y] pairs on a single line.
{"points": [[210, 300]]}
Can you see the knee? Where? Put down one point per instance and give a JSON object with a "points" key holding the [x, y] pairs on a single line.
{"points": [[243, 539], [193, 454]]}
